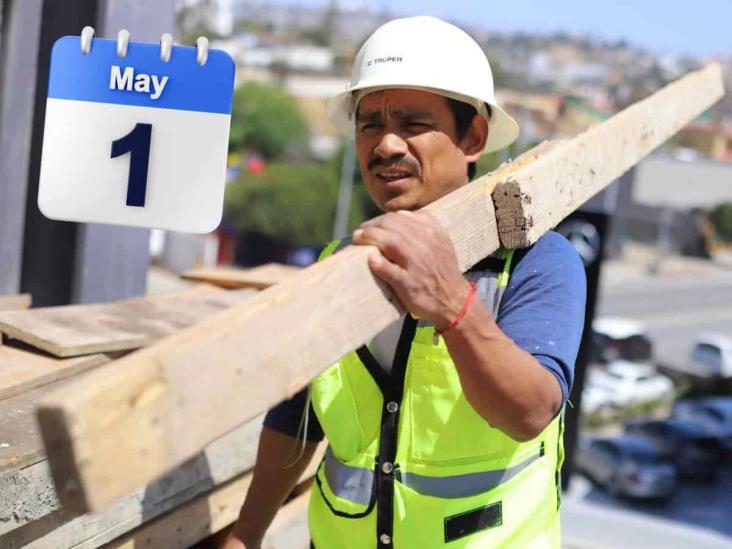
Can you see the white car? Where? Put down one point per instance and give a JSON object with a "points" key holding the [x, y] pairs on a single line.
{"points": [[711, 354], [596, 398], [623, 383]]}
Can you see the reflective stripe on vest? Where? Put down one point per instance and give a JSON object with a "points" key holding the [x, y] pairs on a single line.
{"points": [[356, 483], [352, 483]]}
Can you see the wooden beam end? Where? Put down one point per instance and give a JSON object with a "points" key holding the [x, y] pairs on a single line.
{"points": [[514, 225]]}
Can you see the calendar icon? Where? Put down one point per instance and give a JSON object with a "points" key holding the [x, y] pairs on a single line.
{"points": [[136, 133]]}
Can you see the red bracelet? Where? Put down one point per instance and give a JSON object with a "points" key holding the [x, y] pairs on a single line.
{"points": [[461, 314]]}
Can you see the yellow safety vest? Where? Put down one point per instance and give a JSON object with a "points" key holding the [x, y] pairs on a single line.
{"points": [[412, 465]]}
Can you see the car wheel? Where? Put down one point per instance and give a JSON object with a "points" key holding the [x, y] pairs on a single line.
{"points": [[663, 500]]}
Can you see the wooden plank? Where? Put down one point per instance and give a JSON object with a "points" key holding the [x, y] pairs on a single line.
{"points": [[205, 516], [31, 516], [192, 522], [218, 509], [260, 277], [15, 302], [122, 426], [22, 369], [20, 440], [84, 329], [536, 199]]}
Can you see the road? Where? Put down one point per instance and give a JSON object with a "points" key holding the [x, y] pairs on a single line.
{"points": [[697, 517], [674, 308]]}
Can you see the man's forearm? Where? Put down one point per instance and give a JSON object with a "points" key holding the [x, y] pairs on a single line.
{"points": [[507, 386], [271, 484]]}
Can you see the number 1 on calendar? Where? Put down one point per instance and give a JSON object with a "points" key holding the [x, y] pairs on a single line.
{"points": [[137, 143]]}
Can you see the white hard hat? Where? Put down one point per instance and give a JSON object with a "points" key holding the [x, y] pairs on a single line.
{"points": [[428, 54]]}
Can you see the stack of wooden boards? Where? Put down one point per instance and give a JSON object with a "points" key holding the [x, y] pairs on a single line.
{"points": [[41, 349]]}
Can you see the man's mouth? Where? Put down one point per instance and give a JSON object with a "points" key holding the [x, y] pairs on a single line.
{"points": [[391, 176]]}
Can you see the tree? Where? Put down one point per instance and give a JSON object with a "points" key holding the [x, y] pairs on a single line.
{"points": [[293, 203], [721, 219], [193, 19], [266, 120]]}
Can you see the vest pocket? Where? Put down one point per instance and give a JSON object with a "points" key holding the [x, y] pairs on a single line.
{"points": [[511, 513], [444, 427]]}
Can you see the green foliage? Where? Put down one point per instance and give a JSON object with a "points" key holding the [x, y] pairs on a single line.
{"points": [[491, 161], [487, 163], [721, 219], [192, 20], [266, 120], [295, 203]]}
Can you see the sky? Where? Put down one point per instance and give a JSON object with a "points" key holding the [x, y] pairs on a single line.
{"points": [[697, 27]]}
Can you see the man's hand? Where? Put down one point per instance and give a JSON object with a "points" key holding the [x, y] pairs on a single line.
{"points": [[417, 260]]}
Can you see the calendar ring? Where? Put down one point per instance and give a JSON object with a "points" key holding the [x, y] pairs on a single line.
{"points": [[166, 47], [87, 34], [201, 50], [123, 42]]}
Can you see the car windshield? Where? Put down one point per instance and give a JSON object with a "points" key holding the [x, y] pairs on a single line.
{"points": [[635, 348], [707, 354]]}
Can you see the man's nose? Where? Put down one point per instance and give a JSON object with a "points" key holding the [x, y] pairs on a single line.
{"points": [[391, 145]]}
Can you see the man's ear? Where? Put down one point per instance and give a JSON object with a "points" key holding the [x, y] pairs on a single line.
{"points": [[474, 141]]}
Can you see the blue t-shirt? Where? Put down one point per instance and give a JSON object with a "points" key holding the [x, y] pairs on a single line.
{"points": [[542, 311]]}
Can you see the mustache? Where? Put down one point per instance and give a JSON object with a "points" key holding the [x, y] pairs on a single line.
{"points": [[401, 163]]}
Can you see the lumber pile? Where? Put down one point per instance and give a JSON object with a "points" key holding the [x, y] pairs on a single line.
{"points": [[259, 278], [171, 509], [121, 326], [121, 429], [15, 302]]}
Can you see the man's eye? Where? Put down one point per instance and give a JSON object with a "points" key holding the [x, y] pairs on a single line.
{"points": [[419, 125], [370, 126]]}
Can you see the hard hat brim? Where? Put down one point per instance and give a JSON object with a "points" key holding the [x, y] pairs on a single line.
{"points": [[503, 129]]}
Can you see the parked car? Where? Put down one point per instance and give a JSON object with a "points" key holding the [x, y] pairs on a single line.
{"points": [[713, 414], [695, 453], [711, 354], [616, 338], [596, 398], [623, 383], [627, 465]]}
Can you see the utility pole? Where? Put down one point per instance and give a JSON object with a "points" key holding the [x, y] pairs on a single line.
{"points": [[345, 190]]}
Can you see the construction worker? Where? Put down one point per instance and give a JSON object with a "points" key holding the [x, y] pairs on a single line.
{"points": [[446, 429]]}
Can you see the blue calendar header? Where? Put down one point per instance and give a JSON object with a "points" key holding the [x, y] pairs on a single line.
{"points": [[141, 78]]}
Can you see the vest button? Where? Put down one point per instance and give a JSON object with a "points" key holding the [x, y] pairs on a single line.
{"points": [[385, 539], [392, 407], [387, 467]]}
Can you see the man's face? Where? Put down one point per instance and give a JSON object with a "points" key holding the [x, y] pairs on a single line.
{"points": [[408, 148]]}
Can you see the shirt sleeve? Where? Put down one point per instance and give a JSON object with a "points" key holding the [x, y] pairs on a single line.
{"points": [[285, 418], [543, 308]]}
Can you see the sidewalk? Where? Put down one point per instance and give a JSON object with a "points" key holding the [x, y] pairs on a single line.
{"points": [[588, 525]]}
